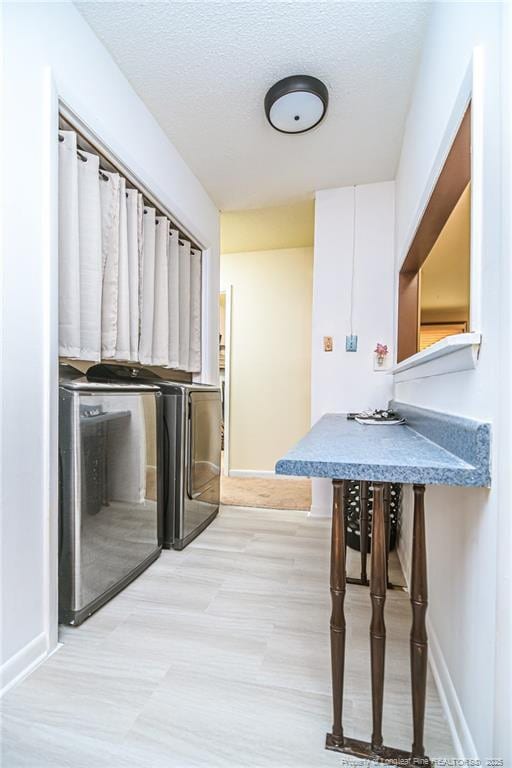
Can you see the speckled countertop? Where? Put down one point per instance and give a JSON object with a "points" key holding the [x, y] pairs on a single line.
{"points": [[338, 448]]}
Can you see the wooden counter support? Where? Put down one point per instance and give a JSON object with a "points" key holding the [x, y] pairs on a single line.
{"points": [[378, 587], [418, 642], [387, 524], [375, 750], [363, 506], [338, 576]]}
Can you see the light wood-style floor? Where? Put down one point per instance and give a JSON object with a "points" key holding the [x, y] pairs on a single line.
{"points": [[217, 656]]}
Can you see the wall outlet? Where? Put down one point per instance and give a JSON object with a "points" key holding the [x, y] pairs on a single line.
{"points": [[351, 343], [328, 344]]}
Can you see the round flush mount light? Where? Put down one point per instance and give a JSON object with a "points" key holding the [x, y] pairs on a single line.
{"points": [[296, 104]]}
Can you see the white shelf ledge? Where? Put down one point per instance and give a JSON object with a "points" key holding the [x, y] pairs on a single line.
{"points": [[454, 353]]}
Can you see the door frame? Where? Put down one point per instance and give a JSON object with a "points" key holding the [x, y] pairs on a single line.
{"points": [[228, 292]]}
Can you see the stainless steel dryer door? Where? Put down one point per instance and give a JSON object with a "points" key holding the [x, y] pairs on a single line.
{"points": [[204, 429]]}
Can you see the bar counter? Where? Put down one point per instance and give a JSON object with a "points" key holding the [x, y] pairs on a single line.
{"points": [[432, 448]]}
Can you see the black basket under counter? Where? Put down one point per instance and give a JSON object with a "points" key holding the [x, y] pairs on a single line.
{"points": [[353, 514]]}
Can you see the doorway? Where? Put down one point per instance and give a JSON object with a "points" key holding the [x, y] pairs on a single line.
{"points": [[225, 301], [265, 311]]}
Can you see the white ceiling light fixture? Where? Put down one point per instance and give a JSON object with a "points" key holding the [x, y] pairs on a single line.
{"points": [[296, 104]]}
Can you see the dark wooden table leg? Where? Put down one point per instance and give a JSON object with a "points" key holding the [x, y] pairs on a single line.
{"points": [[387, 525], [363, 525], [419, 602], [344, 501], [378, 586], [375, 750], [338, 581]]}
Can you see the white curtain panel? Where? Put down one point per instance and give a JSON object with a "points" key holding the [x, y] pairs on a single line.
{"points": [[69, 253], [89, 227], [109, 187], [194, 360], [129, 288], [122, 351], [160, 349], [147, 286], [140, 236], [184, 300], [174, 299], [134, 215]]}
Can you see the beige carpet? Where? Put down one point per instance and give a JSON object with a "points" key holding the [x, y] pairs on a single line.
{"points": [[292, 493]]}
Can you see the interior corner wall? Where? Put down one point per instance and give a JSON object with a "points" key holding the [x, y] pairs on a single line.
{"points": [[467, 567], [50, 52], [270, 353], [346, 381]]}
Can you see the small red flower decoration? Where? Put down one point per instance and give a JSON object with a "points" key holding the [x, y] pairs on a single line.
{"points": [[381, 350]]}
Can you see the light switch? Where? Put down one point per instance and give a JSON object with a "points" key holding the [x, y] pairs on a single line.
{"points": [[328, 344], [351, 343]]}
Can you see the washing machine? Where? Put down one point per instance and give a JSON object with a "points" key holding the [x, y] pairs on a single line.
{"points": [[110, 497], [191, 428]]}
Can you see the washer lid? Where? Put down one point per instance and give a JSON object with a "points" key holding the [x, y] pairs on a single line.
{"points": [[68, 373], [84, 385], [72, 379], [125, 373], [112, 372]]}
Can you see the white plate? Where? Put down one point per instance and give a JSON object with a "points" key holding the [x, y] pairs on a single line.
{"points": [[386, 422]]}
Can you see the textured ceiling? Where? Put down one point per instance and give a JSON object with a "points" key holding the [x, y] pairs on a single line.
{"points": [[203, 69]]}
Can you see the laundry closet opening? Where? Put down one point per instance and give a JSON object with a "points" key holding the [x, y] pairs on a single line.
{"points": [[139, 432]]}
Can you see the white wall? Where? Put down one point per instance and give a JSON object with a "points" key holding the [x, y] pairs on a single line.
{"points": [[467, 568], [270, 377], [340, 380], [50, 51]]}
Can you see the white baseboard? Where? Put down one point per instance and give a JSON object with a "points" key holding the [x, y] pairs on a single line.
{"points": [[403, 553], [464, 745], [268, 473], [253, 473], [459, 730], [15, 669], [319, 511]]}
